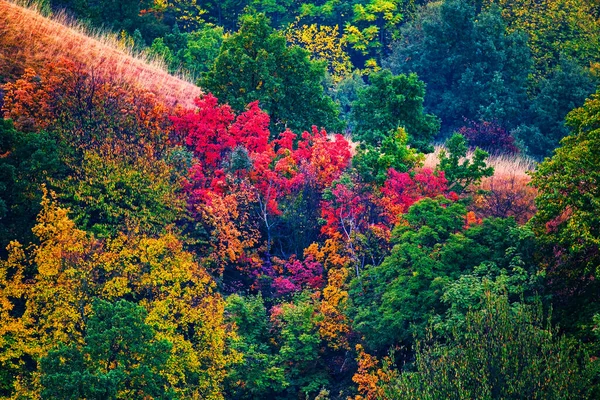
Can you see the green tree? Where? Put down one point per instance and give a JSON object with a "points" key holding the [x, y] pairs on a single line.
{"points": [[473, 69], [114, 193], [255, 64], [27, 160], [282, 354], [391, 102], [556, 29], [568, 217], [261, 375], [502, 352], [396, 300], [121, 358], [461, 172], [566, 88], [372, 163], [194, 52]]}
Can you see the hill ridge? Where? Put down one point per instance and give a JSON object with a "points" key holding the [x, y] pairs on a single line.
{"points": [[30, 39]]}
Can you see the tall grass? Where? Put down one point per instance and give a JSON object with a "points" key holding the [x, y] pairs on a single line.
{"points": [[30, 39], [505, 194], [503, 164]]}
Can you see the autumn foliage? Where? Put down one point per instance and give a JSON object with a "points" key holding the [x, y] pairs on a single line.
{"points": [[163, 249]]}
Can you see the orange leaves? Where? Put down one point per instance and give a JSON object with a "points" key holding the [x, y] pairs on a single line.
{"points": [[508, 195], [28, 101], [370, 377], [232, 235], [90, 112]]}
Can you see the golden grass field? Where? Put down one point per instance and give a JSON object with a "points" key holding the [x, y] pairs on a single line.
{"points": [[29, 39], [505, 194], [504, 165]]}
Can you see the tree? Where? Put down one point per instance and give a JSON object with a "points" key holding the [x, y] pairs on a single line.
{"points": [[568, 185], [373, 162], [434, 245], [324, 43], [462, 174], [112, 194], [255, 64], [194, 52], [73, 268], [391, 102], [566, 87], [260, 373], [567, 221], [521, 356], [28, 160], [374, 24], [473, 69], [121, 358], [556, 29]]}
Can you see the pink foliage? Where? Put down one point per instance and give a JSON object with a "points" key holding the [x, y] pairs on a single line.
{"points": [[299, 275]]}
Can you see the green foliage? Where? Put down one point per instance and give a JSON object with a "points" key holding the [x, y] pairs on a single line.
{"points": [[473, 69], [194, 52], [27, 160], [461, 172], [373, 163], [282, 357], [255, 64], [568, 189], [120, 358], [259, 372], [374, 24], [111, 194], [556, 29], [391, 102], [392, 301], [300, 345], [516, 277], [396, 300], [501, 352], [564, 89], [568, 218], [345, 93]]}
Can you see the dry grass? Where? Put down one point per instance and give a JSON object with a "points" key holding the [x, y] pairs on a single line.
{"points": [[507, 193], [29, 39], [504, 165]]}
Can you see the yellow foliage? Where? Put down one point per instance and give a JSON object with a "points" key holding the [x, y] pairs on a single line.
{"points": [[59, 278], [554, 27], [334, 327], [324, 43]]}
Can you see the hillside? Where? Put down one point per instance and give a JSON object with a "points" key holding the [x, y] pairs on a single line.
{"points": [[355, 200], [28, 39]]}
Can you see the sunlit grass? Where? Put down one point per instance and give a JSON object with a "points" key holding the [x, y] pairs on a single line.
{"points": [[503, 164], [29, 39]]}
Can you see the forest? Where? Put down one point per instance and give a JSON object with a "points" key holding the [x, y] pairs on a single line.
{"points": [[277, 199]]}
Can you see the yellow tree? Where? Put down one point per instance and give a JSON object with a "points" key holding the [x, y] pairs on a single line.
{"points": [[46, 294], [324, 43], [334, 327], [554, 27]]}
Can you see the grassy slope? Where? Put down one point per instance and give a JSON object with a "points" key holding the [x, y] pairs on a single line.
{"points": [[504, 165], [28, 39]]}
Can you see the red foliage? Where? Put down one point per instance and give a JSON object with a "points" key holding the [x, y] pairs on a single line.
{"points": [[299, 276], [344, 210], [489, 136], [402, 189], [206, 130]]}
